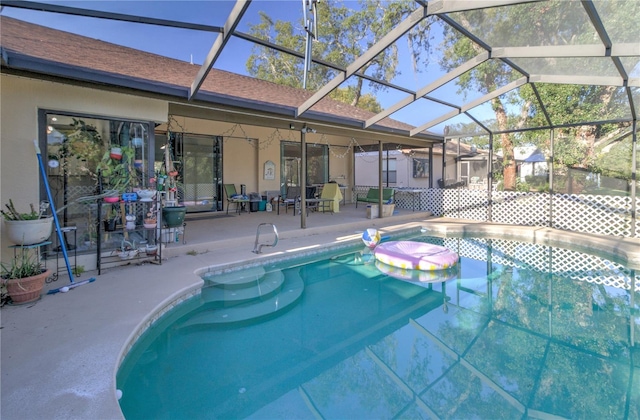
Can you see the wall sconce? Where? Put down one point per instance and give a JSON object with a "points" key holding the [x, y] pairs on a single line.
{"points": [[291, 126]]}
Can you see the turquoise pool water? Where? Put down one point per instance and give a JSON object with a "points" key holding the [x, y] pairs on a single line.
{"points": [[518, 331]]}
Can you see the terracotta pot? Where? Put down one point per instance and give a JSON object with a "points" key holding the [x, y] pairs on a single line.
{"points": [[27, 289]]}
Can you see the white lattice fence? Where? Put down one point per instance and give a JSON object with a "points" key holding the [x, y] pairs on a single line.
{"points": [[77, 209], [433, 201], [603, 214], [559, 261], [637, 216], [599, 214], [473, 205], [520, 208]]}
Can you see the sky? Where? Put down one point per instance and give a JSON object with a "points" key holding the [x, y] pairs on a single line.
{"points": [[193, 46]]}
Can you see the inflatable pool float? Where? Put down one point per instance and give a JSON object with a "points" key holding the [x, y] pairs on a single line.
{"points": [[411, 255], [418, 276]]}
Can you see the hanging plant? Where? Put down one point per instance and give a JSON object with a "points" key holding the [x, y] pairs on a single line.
{"points": [[84, 143], [119, 175]]}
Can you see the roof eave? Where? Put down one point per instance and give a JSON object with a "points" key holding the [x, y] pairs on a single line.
{"points": [[21, 62], [46, 68]]}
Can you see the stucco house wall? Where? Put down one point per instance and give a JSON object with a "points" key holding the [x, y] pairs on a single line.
{"points": [[243, 158], [20, 101], [246, 148]]}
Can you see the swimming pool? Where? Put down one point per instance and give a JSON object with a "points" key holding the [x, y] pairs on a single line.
{"points": [[519, 330]]}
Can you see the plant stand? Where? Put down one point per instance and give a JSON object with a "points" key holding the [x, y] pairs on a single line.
{"points": [[56, 251], [152, 251]]}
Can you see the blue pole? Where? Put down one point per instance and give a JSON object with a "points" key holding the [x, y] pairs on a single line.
{"points": [[63, 245]]}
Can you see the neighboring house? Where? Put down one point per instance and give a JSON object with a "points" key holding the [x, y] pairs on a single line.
{"points": [[411, 168], [530, 161], [228, 133]]}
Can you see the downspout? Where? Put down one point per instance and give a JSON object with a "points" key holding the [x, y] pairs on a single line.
{"points": [[444, 160], [458, 164], [431, 167]]}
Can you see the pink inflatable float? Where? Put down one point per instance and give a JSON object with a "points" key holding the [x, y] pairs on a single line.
{"points": [[418, 276], [412, 255]]}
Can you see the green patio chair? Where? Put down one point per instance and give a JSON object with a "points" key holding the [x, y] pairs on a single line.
{"points": [[234, 198]]}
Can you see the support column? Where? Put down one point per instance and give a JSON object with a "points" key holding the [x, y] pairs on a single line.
{"points": [[303, 178], [551, 169], [634, 176], [380, 186], [490, 179]]}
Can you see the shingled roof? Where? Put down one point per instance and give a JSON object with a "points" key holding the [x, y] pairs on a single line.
{"points": [[78, 57]]}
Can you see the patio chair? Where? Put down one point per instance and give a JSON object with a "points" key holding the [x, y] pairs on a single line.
{"points": [[234, 198], [311, 201], [291, 197]]}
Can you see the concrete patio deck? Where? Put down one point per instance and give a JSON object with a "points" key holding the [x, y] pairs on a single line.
{"points": [[60, 354]]}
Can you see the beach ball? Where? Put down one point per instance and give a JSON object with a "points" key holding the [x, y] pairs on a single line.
{"points": [[366, 256], [371, 237]]}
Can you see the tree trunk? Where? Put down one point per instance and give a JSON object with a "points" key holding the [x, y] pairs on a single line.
{"points": [[509, 165], [357, 92]]}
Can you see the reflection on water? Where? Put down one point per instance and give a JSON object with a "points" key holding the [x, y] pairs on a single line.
{"points": [[519, 331]]}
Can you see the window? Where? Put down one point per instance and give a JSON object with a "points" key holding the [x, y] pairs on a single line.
{"points": [[389, 173], [317, 164], [85, 155], [420, 168]]}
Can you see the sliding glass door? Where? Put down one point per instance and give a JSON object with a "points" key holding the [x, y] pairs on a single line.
{"points": [[198, 160], [317, 164]]}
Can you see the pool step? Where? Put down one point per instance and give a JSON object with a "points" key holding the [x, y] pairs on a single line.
{"points": [[250, 290], [287, 294], [236, 279]]}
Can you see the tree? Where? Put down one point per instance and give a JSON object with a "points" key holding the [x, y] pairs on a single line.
{"points": [[544, 23], [343, 35]]}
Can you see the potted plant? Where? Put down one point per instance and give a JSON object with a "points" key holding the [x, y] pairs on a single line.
{"points": [[27, 228], [110, 220], [118, 175], [150, 220], [24, 278]]}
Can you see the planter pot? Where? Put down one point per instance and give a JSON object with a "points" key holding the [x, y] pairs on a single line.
{"points": [[112, 199], [146, 195], [29, 232], [27, 289], [128, 255], [110, 225], [115, 153], [173, 216]]}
